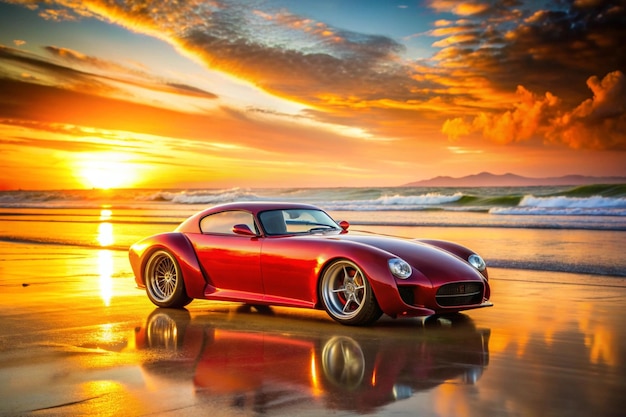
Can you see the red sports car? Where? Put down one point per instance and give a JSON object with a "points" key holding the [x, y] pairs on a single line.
{"points": [[296, 255]]}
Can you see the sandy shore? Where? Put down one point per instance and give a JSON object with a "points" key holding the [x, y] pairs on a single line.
{"points": [[77, 338]]}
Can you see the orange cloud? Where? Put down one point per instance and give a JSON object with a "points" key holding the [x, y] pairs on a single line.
{"points": [[597, 123], [463, 8], [456, 39]]}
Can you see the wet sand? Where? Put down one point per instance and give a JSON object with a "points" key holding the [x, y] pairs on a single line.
{"points": [[77, 338]]}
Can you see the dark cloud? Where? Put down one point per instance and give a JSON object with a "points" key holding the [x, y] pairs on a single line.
{"points": [[33, 62], [89, 73], [553, 49], [318, 60], [189, 90], [74, 57]]}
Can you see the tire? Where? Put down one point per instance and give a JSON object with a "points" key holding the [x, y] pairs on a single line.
{"points": [[164, 281], [347, 295]]}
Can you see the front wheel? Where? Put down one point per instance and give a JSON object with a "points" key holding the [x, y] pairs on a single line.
{"points": [[164, 281], [347, 295]]}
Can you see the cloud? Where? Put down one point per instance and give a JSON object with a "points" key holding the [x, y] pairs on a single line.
{"points": [[597, 123], [122, 73], [31, 105], [74, 57], [79, 72], [555, 50], [58, 15], [299, 58], [487, 48], [289, 55], [518, 124], [463, 8]]}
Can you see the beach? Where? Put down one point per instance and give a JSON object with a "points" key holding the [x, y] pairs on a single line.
{"points": [[78, 338]]}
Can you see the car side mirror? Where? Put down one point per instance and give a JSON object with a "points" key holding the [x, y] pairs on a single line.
{"points": [[344, 225], [243, 230]]}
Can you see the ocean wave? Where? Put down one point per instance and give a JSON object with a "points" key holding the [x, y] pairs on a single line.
{"points": [[13, 198], [605, 190], [203, 196], [429, 199], [566, 206], [545, 211], [593, 202], [396, 202], [597, 200]]}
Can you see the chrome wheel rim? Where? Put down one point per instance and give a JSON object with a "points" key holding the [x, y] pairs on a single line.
{"points": [[344, 289], [162, 276]]}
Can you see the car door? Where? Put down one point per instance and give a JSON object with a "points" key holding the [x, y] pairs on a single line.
{"points": [[289, 267], [231, 261]]}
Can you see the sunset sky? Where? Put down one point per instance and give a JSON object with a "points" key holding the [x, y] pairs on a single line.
{"points": [[277, 93]]}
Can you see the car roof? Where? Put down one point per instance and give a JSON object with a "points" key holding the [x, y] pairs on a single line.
{"points": [[259, 206], [191, 224]]}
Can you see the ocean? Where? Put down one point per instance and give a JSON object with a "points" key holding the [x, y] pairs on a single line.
{"points": [[563, 229]]}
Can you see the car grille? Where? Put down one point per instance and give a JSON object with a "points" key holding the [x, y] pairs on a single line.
{"points": [[460, 294]]}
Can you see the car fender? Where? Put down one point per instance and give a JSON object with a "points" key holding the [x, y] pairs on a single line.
{"points": [[181, 248], [373, 262], [454, 248]]}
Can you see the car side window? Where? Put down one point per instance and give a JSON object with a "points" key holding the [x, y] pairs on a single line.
{"points": [[222, 223]]}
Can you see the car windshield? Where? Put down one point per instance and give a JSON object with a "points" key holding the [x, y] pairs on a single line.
{"points": [[292, 221]]}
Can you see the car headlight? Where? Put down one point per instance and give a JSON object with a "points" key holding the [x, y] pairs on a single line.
{"points": [[400, 268], [477, 262]]}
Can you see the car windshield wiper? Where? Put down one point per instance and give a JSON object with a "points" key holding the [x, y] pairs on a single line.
{"points": [[321, 228]]}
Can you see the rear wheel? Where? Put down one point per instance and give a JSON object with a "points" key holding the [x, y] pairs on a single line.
{"points": [[164, 281], [347, 295]]}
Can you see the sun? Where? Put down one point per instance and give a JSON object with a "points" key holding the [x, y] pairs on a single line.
{"points": [[106, 170]]}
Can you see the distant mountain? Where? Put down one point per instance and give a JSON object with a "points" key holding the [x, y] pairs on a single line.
{"points": [[486, 179]]}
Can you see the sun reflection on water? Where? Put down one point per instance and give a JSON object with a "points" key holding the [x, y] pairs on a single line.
{"points": [[105, 269], [105, 234], [105, 229], [105, 213], [105, 257]]}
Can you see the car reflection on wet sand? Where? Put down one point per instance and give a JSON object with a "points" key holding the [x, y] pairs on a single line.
{"points": [[264, 370]]}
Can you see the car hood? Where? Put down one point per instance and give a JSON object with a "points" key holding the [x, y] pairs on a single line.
{"points": [[435, 263]]}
